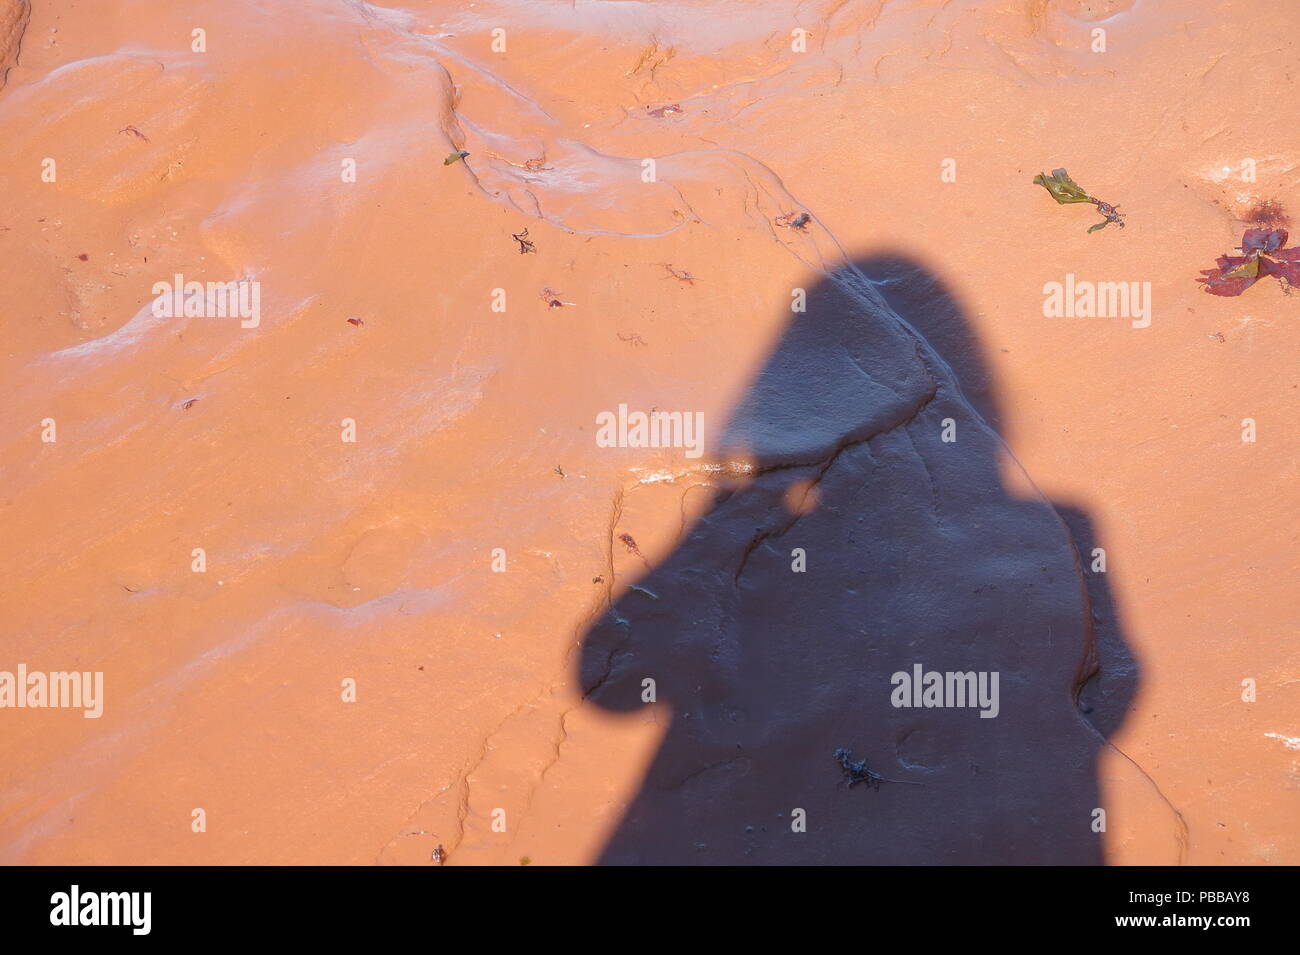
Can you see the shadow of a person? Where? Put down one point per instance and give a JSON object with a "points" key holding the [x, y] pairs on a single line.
{"points": [[872, 544]]}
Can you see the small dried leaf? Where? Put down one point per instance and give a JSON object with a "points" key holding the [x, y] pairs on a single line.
{"points": [[525, 244], [454, 157]]}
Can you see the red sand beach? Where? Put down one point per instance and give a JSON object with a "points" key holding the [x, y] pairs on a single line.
{"points": [[362, 573]]}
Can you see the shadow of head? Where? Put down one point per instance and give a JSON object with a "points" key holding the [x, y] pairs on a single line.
{"points": [[838, 377], [777, 635]]}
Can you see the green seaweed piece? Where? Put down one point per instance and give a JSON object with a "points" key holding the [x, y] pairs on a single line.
{"points": [[1065, 190], [1062, 187]]}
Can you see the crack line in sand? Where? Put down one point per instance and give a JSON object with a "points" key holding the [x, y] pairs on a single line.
{"points": [[1181, 833], [829, 462]]}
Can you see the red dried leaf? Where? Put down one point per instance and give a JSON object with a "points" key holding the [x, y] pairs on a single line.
{"points": [[1264, 257]]}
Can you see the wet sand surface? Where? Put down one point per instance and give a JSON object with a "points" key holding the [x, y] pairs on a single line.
{"points": [[498, 713]]}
